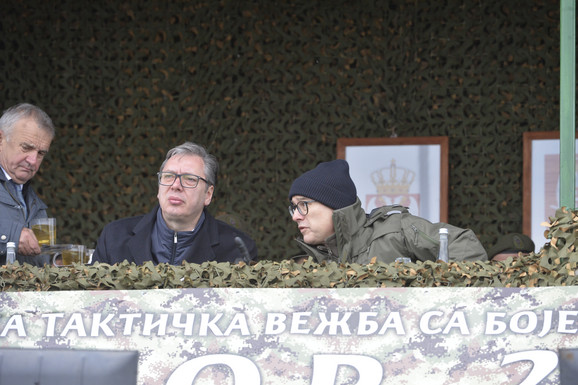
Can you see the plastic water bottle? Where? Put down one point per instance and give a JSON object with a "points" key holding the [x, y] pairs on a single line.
{"points": [[443, 253], [10, 252]]}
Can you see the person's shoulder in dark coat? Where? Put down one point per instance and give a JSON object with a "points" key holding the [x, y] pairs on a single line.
{"points": [[130, 239]]}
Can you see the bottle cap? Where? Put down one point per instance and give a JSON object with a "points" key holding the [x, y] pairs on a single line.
{"points": [[443, 230]]}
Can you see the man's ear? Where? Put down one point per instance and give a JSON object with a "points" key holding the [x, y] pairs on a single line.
{"points": [[209, 195]]}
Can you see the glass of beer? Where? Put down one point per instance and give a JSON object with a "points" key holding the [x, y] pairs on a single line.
{"points": [[44, 230], [73, 254]]}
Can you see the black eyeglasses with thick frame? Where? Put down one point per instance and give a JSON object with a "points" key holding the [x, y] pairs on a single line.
{"points": [[301, 206], [187, 180]]}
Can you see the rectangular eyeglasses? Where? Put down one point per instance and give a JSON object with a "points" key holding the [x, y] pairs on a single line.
{"points": [[187, 180]]}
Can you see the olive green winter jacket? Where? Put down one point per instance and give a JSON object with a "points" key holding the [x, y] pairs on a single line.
{"points": [[390, 232]]}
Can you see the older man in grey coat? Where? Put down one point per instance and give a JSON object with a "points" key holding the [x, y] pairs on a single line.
{"points": [[26, 133]]}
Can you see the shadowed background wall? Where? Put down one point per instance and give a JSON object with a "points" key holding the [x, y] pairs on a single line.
{"points": [[268, 87]]}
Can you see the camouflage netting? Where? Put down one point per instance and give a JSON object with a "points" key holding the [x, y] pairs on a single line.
{"points": [[268, 87], [555, 265]]}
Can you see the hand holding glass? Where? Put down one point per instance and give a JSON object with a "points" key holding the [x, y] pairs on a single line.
{"points": [[45, 230]]}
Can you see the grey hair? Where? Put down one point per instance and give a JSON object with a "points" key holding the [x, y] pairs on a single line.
{"points": [[14, 114], [190, 148]]}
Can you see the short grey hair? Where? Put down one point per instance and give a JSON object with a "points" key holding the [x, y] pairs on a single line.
{"points": [[14, 114], [190, 148]]}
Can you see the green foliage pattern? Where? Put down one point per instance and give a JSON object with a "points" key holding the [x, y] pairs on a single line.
{"points": [[555, 265]]}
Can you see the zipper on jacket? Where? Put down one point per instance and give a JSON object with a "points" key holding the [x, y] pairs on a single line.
{"points": [[424, 235], [18, 206], [174, 250], [327, 252]]}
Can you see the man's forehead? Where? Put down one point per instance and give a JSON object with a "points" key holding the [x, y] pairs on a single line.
{"points": [[32, 141], [194, 162], [29, 134]]}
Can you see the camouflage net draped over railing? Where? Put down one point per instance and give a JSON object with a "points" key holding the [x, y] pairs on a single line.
{"points": [[555, 265]]}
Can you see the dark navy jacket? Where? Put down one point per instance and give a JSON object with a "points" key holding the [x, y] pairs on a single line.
{"points": [[131, 239]]}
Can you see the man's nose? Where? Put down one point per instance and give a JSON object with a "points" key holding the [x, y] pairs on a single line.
{"points": [[177, 184], [32, 157], [297, 216]]}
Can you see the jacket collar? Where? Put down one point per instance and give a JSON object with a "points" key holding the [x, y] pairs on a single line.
{"points": [[205, 241], [4, 179], [140, 243], [349, 223]]}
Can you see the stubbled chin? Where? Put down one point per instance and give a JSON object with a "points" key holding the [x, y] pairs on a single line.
{"points": [[173, 213], [22, 178], [174, 207]]}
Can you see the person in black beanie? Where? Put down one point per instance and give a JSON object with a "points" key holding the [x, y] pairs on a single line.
{"points": [[334, 227]]}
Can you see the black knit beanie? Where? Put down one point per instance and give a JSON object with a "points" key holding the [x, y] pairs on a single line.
{"points": [[329, 183]]}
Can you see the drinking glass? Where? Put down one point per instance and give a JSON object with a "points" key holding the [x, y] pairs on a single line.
{"points": [[44, 230]]}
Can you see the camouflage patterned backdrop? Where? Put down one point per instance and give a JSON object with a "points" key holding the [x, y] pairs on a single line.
{"points": [[268, 87]]}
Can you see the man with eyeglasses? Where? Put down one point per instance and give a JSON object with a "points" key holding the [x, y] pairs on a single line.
{"points": [[334, 226], [179, 228]]}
